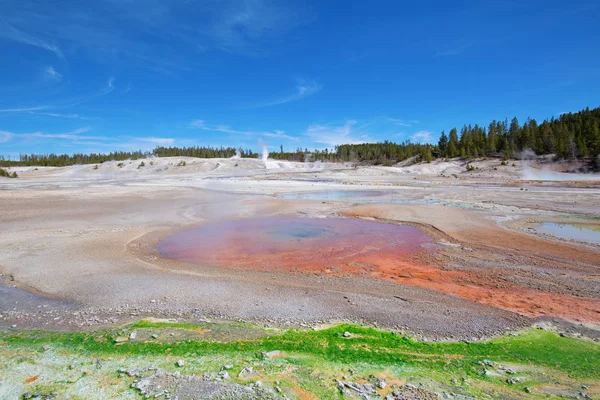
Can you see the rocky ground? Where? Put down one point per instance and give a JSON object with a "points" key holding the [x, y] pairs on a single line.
{"points": [[79, 245], [79, 249]]}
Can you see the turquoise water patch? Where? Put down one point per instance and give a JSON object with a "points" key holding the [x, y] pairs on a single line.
{"points": [[579, 232], [356, 196]]}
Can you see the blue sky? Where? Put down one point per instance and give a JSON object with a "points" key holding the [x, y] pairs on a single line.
{"points": [[79, 76]]}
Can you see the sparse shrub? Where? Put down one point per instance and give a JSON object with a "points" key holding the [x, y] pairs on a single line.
{"points": [[514, 165], [142, 164], [470, 167], [95, 166], [503, 163], [151, 162], [182, 163], [120, 165], [495, 168], [7, 174]]}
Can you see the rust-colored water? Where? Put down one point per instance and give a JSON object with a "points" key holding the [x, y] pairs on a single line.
{"points": [[296, 244], [354, 247]]}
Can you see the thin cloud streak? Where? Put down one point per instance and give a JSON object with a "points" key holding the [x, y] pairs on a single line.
{"points": [[401, 122], [159, 141], [6, 136], [303, 89], [57, 115], [109, 88], [24, 109], [398, 122], [454, 51], [422, 137], [230, 26], [75, 137], [200, 124], [51, 74], [7, 31], [349, 133], [72, 135]]}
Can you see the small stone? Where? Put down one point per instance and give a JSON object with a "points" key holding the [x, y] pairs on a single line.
{"points": [[258, 384], [223, 375], [346, 334], [227, 366], [270, 354], [180, 363], [512, 381], [154, 336], [132, 335], [381, 383]]}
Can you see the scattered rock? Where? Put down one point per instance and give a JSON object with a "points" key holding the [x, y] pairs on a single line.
{"points": [[411, 392], [180, 363], [271, 354], [381, 383], [346, 334], [245, 372], [223, 375], [513, 381]]}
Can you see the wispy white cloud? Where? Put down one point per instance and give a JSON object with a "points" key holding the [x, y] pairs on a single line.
{"points": [[349, 133], [398, 122], [5, 136], [110, 86], [200, 124], [422, 137], [158, 141], [304, 88], [454, 51], [128, 88], [71, 135], [10, 32], [77, 137], [51, 74], [58, 115], [23, 109], [232, 26], [401, 122], [66, 103]]}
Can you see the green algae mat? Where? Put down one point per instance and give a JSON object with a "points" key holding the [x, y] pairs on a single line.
{"points": [[169, 360]]}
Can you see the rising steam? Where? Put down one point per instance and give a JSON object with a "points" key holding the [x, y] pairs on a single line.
{"points": [[534, 171]]}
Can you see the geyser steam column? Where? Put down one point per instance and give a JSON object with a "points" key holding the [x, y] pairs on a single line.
{"points": [[265, 151]]}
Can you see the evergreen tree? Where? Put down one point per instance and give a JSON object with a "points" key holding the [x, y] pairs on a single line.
{"points": [[443, 144]]}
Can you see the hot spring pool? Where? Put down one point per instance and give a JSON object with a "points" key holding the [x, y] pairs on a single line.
{"points": [[289, 242]]}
